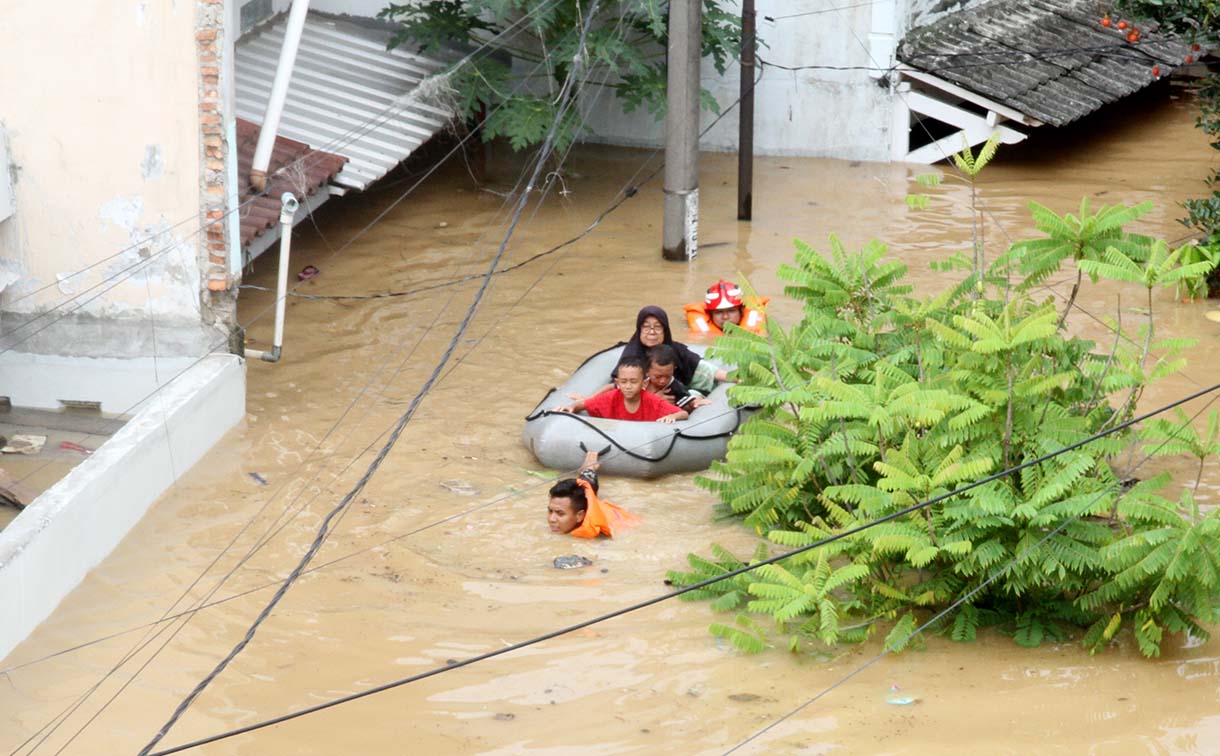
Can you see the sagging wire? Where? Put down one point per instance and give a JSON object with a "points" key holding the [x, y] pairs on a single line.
{"points": [[337, 143], [567, 96], [685, 589], [140, 645], [292, 291], [629, 191]]}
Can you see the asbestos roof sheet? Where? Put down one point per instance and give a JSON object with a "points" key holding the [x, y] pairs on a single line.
{"points": [[1049, 59], [295, 167], [348, 95]]}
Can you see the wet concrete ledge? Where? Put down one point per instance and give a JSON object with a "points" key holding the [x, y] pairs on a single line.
{"points": [[50, 547]]}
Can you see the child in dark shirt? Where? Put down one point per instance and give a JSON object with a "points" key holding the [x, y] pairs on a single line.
{"points": [[628, 401], [660, 380]]}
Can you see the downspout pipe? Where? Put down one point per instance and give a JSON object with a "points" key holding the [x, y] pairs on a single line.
{"points": [[288, 209], [279, 92]]}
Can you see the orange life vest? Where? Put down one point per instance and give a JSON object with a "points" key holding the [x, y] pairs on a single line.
{"points": [[601, 517], [752, 318]]}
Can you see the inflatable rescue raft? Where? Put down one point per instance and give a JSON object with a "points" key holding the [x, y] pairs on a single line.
{"points": [[637, 449]]}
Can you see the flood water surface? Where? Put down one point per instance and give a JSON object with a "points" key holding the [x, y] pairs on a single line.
{"points": [[446, 553]]}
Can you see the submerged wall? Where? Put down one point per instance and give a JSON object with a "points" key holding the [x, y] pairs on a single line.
{"points": [[70, 528]]}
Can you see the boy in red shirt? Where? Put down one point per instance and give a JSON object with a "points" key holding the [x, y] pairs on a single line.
{"points": [[629, 400]]}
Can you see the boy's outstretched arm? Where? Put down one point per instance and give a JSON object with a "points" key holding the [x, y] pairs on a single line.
{"points": [[576, 406], [675, 417]]}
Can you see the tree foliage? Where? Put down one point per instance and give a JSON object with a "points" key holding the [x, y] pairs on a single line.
{"points": [[878, 400], [534, 42], [1199, 22]]}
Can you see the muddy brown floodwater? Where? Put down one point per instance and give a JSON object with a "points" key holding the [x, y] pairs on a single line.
{"points": [[422, 580]]}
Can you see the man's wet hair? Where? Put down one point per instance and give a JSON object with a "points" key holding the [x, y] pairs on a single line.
{"points": [[634, 362], [661, 355], [569, 489]]}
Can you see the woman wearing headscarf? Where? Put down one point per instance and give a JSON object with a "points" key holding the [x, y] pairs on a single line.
{"points": [[652, 328]]}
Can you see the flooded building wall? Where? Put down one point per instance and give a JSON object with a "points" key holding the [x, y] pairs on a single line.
{"points": [[115, 278], [110, 158]]}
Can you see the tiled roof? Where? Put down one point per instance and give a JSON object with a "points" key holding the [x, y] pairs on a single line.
{"points": [[294, 168], [1049, 59]]}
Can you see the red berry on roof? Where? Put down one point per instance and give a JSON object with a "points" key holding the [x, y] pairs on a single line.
{"points": [[1133, 36], [1156, 71], [1190, 59], [1195, 47], [1105, 21], [1122, 24]]}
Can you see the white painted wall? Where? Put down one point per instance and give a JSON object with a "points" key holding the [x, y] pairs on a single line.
{"points": [[70, 528], [100, 106], [843, 114]]}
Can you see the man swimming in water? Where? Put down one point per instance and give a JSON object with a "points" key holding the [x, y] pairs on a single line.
{"points": [[574, 508]]}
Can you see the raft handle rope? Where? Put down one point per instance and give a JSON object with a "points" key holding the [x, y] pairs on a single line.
{"points": [[681, 591]]}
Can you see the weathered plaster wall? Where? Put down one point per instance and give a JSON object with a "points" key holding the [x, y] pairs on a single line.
{"points": [[103, 126], [819, 112]]}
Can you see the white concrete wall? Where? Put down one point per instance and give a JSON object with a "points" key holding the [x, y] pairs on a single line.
{"points": [[70, 528], [819, 112], [100, 105]]}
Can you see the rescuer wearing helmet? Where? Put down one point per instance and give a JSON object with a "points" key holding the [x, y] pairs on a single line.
{"points": [[722, 304]]}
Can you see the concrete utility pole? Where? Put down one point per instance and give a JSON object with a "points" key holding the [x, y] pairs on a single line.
{"points": [[745, 123], [680, 238]]}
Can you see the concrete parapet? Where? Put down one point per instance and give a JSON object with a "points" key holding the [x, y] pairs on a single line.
{"points": [[70, 528]]}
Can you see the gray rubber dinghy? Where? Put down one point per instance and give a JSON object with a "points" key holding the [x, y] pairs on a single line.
{"points": [[637, 450]]}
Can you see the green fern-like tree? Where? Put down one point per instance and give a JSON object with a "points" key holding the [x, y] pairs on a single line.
{"points": [[877, 400]]}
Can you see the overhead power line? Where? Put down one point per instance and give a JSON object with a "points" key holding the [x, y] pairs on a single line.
{"points": [[686, 589]]}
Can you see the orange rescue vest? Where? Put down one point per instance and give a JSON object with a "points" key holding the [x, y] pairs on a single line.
{"points": [[601, 517], [752, 318]]}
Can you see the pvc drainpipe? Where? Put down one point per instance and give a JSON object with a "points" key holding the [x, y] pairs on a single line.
{"points": [[288, 209], [279, 92]]}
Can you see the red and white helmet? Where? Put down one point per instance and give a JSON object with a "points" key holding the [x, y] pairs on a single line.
{"points": [[723, 295]]}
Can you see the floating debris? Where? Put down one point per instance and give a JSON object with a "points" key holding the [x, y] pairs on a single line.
{"points": [[73, 446], [745, 697], [505, 716], [258, 478], [897, 697], [459, 487], [571, 562], [308, 272], [24, 444]]}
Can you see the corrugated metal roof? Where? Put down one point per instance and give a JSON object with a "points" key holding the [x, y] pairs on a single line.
{"points": [[294, 168], [346, 95], [1050, 59]]}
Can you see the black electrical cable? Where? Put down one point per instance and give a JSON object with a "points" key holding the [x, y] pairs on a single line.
{"points": [[292, 291], [821, 11], [628, 192], [342, 140], [140, 645], [337, 143], [566, 97], [686, 589]]}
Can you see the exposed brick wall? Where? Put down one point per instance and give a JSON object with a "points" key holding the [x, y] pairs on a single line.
{"points": [[219, 294]]}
